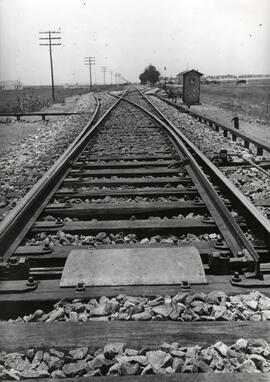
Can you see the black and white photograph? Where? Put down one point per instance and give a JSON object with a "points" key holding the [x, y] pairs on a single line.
{"points": [[135, 190]]}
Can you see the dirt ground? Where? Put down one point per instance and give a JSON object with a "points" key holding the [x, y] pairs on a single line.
{"points": [[13, 131]]}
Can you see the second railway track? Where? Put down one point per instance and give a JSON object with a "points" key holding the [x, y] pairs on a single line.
{"points": [[131, 188]]}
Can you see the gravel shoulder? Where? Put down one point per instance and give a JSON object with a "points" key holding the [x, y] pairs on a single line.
{"points": [[13, 132]]}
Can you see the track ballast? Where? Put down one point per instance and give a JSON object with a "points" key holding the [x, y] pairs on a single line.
{"points": [[131, 183]]}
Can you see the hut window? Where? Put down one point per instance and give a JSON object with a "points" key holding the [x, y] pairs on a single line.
{"points": [[192, 81]]}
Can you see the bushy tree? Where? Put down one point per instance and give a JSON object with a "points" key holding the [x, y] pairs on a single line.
{"points": [[143, 79], [150, 74]]}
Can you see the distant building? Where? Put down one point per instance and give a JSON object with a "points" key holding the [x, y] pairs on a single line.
{"points": [[190, 79], [233, 79], [168, 80], [11, 85], [71, 86]]}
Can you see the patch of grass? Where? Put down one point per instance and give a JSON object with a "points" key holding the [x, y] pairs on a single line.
{"points": [[34, 98], [249, 100]]}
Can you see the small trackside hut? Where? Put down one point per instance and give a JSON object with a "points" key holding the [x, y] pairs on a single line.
{"points": [[190, 79]]}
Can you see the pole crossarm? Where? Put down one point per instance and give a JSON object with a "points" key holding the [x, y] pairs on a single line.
{"points": [[50, 42], [48, 38]]}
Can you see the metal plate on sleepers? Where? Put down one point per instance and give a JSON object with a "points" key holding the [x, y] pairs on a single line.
{"points": [[133, 266]]}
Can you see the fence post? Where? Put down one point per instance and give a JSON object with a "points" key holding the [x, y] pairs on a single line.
{"points": [[236, 122]]}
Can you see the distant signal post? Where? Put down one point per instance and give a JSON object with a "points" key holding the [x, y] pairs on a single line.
{"points": [[51, 38], [89, 61]]}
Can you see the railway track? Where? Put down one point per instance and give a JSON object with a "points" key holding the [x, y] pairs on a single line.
{"points": [[126, 241]]}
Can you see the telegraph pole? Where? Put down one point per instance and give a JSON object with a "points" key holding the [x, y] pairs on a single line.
{"points": [[104, 70], [111, 73], [50, 38], [117, 78], [89, 61]]}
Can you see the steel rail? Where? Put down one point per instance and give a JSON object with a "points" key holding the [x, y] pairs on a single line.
{"points": [[232, 233], [252, 164], [20, 220]]}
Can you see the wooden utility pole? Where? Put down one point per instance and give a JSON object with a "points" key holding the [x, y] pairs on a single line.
{"points": [[89, 61], [49, 41], [117, 77], [165, 85], [111, 73], [104, 70]]}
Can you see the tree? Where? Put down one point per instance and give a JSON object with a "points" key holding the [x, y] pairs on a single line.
{"points": [[143, 79], [150, 74]]}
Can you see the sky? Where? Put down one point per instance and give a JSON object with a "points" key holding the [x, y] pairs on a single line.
{"points": [[212, 36]]}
